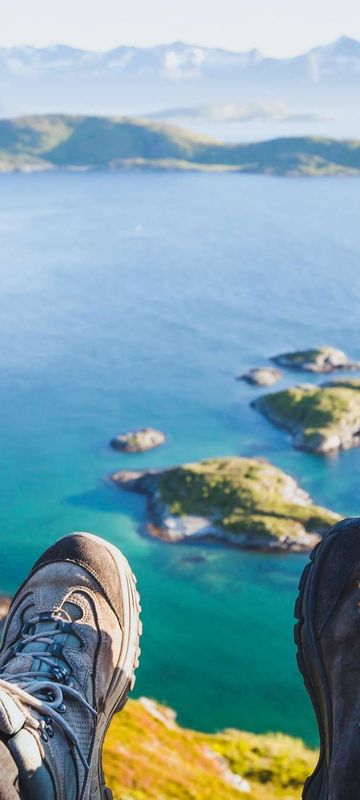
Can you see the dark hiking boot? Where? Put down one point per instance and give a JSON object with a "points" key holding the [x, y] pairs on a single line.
{"points": [[70, 649], [328, 640]]}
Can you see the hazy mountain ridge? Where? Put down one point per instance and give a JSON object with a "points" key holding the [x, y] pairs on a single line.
{"points": [[80, 142], [180, 59], [169, 59], [134, 80]]}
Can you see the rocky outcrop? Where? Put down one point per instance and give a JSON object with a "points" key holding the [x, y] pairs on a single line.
{"points": [[320, 359], [245, 502], [138, 441], [321, 419], [261, 376]]}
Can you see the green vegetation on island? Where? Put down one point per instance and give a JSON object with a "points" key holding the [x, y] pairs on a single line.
{"points": [[320, 418], [345, 383], [63, 141], [148, 756], [245, 501], [318, 359]]}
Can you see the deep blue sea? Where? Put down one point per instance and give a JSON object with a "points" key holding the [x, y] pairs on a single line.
{"points": [[135, 299]]}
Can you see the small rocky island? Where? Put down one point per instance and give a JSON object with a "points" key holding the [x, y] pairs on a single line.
{"points": [[321, 419], [261, 376], [321, 359], [138, 441], [245, 502]]}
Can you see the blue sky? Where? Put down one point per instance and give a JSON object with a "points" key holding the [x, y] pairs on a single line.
{"points": [[277, 27]]}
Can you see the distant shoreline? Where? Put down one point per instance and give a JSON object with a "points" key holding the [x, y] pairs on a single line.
{"points": [[157, 167], [42, 143]]}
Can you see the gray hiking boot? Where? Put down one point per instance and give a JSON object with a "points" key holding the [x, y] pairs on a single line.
{"points": [[328, 640], [70, 649]]}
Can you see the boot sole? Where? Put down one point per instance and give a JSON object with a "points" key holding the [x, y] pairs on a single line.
{"points": [[310, 663], [124, 677]]}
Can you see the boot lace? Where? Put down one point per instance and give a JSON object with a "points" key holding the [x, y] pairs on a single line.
{"points": [[43, 689]]}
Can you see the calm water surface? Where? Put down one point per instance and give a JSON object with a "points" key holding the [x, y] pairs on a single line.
{"points": [[130, 300]]}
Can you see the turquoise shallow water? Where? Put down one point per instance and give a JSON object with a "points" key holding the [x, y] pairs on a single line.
{"points": [[132, 299]]}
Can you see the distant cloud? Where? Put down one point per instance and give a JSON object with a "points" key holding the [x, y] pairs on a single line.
{"points": [[234, 112]]}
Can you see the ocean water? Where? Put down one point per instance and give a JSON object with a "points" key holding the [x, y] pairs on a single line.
{"points": [[135, 299]]}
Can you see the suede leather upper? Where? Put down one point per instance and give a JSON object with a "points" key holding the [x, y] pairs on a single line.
{"points": [[339, 566], [99, 562], [332, 659]]}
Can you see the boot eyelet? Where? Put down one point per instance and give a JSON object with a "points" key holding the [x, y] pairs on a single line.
{"points": [[43, 731]]}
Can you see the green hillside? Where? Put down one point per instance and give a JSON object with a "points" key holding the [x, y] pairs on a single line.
{"points": [[147, 756], [77, 142]]}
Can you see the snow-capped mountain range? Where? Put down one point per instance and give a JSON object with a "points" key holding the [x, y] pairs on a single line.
{"points": [[131, 80], [180, 61]]}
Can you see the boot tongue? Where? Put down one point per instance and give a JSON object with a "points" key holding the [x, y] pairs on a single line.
{"points": [[11, 716], [37, 664], [60, 638]]}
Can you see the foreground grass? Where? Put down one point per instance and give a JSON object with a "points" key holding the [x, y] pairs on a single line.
{"points": [[147, 756]]}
